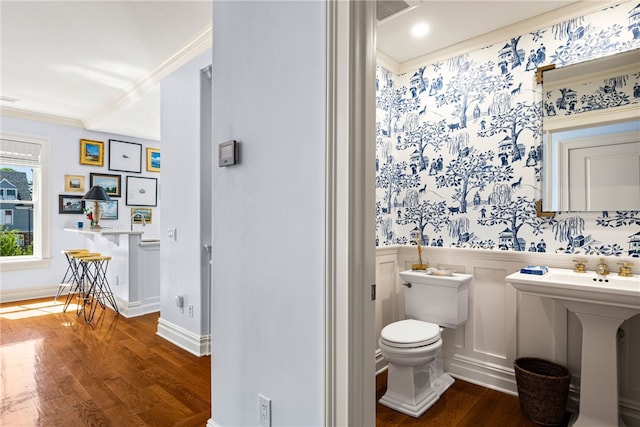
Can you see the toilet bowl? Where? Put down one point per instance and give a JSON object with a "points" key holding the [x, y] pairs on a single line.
{"points": [[412, 347]]}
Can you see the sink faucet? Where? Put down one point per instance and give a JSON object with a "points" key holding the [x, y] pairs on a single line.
{"points": [[133, 217], [602, 269]]}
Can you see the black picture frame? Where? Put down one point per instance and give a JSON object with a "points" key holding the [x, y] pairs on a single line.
{"points": [[125, 156], [70, 204], [111, 183], [141, 191]]}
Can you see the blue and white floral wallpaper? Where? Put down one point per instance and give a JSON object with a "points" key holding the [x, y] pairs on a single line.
{"points": [[459, 145]]}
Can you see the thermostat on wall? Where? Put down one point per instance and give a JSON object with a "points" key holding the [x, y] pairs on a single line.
{"points": [[228, 153]]}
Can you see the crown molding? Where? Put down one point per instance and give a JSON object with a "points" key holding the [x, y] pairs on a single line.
{"points": [[40, 117], [387, 63], [573, 10], [198, 44]]}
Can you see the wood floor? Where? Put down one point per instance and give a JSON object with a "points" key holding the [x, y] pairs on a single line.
{"points": [[463, 405], [56, 370]]}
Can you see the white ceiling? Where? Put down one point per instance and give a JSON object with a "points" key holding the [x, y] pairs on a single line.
{"points": [[97, 64]]}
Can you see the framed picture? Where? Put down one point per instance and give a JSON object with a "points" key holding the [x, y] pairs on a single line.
{"points": [[74, 183], [110, 183], [108, 210], [142, 191], [125, 156], [153, 159], [146, 212], [91, 152], [70, 204]]}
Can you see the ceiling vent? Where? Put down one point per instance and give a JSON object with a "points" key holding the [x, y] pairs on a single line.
{"points": [[387, 8]]}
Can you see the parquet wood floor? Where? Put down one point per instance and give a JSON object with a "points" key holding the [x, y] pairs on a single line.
{"points": [[58, 371]]}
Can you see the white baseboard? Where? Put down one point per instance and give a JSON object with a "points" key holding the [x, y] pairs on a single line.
{"points": [[381, 364], [211, 423], [481, 373], [134, 309], [194, 344], [23, 294]]}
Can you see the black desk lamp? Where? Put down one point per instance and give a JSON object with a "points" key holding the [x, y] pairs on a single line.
{"points": [[97, 194]]}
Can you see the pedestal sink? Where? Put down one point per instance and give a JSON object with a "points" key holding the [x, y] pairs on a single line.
{"points": [[601, 304]]}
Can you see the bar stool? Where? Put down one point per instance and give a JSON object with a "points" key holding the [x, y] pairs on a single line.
{"points": [[78, 286], [70, 277], [98, 291]]}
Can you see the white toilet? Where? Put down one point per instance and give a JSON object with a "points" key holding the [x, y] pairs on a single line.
{"points": [[411, 347]]}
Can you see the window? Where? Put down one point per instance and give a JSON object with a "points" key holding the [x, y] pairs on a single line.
{"points": [[7, 217], [24, 206], [8, 194]]}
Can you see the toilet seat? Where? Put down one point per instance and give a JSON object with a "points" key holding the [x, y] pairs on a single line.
{"points": [[410, 333]]}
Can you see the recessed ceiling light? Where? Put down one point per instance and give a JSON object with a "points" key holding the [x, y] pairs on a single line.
{"points": [[420, 29]]}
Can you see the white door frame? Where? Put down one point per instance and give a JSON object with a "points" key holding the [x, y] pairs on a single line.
{"points": [[350, 215]]}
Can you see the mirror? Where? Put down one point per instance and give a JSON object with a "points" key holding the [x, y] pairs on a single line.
{"points": [[591, 124]]}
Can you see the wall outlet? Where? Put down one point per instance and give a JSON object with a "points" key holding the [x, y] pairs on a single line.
{"points": [[172, 234], [264, 408], [190, 310]]}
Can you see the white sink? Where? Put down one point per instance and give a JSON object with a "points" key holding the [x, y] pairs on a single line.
{"points": [[562, 284], [601, 304]]}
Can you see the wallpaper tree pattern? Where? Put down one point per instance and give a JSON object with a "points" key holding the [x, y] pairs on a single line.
{"points": [[459, 155]]}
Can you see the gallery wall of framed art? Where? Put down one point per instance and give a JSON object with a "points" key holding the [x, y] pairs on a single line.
{"points": [[107, 160]]}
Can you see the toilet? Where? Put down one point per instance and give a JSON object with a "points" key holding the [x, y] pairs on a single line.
{"points": [[411, 347]]}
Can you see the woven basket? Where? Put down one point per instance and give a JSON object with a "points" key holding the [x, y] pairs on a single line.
{"points": [[543, 389]]}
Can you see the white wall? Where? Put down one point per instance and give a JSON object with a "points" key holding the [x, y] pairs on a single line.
{"points": [[267, 299], [65, 148], [183, 199]]}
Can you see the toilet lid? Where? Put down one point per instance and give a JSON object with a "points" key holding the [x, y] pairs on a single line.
{"points": [[410, 333]]}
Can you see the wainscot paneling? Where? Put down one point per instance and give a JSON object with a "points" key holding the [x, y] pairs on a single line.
{"points": [[504, 324]]}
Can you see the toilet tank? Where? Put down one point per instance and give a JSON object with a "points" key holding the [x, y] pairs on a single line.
{"points": [[443, 300]]}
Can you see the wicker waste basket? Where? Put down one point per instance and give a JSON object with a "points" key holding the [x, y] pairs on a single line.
{"points": [[543, 389]]}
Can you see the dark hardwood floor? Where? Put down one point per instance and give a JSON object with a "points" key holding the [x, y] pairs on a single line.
{"points": [[463, 405], [58, 371]]}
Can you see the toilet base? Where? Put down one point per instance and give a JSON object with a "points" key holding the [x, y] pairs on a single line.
{"points": [[409, 389], [413, 398], [441, 384], [406, 408]]}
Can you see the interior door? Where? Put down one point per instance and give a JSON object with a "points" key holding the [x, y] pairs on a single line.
{"points": [[604, 176]]}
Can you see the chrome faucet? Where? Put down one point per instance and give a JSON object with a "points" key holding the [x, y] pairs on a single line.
{"points": [[144, 223]]}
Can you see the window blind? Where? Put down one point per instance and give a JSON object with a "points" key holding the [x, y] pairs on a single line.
{"points": [[19, 153]]}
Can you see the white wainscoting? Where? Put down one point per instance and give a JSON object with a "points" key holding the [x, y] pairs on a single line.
{"points": [[503, 324], [144, 280]]}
